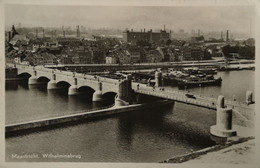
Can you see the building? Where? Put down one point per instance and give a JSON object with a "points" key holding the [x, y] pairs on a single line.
{"points": [[192, 53], [154, 55], [150, 36], [199, 39], [110, 60]]}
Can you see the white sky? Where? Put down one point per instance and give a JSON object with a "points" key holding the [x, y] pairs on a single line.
{"points": [[234, 18]]}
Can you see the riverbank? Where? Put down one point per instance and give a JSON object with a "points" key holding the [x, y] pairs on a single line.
{"points": [[241, 153], [236, 150]]}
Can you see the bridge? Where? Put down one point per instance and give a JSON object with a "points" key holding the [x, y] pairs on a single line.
{"points": [[128, 92], [100, 85], [137, 66]]}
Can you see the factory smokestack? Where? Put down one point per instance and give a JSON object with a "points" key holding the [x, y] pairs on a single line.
{"points": [[227, 35], [78, 33]]}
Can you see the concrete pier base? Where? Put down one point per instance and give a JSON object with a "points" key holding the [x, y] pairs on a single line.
{"points": [[52, 85], [119, 102], [216, 131], [32, 81], [223, 128], [97, 96], [73, 90]]}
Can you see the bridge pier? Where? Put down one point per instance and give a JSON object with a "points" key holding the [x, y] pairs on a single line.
{"points": [[158, 79], [32, 80], [125, 92], [52, 83], [119, 102], [97, 95], [249, 97], [73, 88], [223, 127]]}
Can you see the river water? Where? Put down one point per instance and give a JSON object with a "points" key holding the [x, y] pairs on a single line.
{"points": [[138, 136]]}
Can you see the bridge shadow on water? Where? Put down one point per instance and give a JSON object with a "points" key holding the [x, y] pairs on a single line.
{"points": [[172, 122], [159, 122]]}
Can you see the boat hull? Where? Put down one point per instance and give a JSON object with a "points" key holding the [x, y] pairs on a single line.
{"points": [[215, 82]]}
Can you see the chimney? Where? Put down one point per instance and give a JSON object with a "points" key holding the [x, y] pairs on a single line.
{"points": [[36, 33], [227, 35], [131, 30], [78, 34], [144, 29], [141, 30], [164, 27], [151, 30], [52, 34], [64, 33]]}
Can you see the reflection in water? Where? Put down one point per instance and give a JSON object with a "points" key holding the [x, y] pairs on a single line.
{"points": [[38, 87], [10, 85], [140, 136], [32, 102]]}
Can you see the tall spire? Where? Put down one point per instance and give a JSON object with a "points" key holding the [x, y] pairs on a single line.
{"points": [[13, 31]]}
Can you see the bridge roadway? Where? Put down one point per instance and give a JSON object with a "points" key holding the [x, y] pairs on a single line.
{"points": [[179, 96], [111, 85]]}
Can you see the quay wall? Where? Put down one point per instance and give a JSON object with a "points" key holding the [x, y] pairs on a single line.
{"points": [[10, 73], [19, 127], [189, 156]]}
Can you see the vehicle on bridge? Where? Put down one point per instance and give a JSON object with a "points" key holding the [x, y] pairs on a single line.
{"points": [[190, 96]]}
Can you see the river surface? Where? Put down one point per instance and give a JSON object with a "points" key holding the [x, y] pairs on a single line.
{"points": [[138, 136]]}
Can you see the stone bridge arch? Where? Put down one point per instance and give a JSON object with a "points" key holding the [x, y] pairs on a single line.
{"points": [[24, 74], [19, 72], [43, 76], [62, 80], [86, 84], [110, 95], [86, 88]]}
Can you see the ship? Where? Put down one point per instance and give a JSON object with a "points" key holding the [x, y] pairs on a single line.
{"points": [[199, 82]]}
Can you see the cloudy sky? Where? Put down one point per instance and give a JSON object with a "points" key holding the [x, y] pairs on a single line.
{"points": [[234, 18]]}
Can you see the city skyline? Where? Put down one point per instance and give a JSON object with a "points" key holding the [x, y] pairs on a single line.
{"points": [[239, 19]]}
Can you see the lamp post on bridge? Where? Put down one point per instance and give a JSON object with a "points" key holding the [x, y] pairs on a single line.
{"points": [[162, 83]]}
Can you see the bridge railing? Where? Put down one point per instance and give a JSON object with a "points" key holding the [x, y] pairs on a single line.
{"points": [[180, 98], [182, 93], [67, 73]]}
